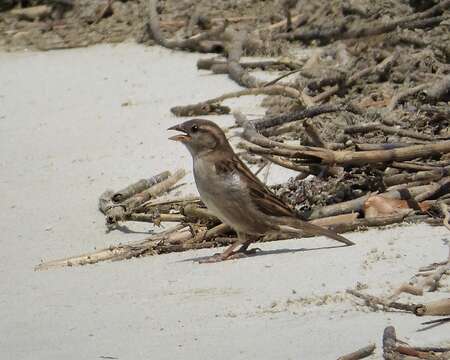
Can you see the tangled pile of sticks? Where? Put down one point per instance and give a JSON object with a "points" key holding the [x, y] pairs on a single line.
{"points": [[361, 115], [371, 129]]}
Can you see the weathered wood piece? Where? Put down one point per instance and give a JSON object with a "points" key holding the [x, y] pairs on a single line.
{"points": [[155, 186], [32, 13], [377, 303], [212, 106], [119, 252], [325, 156], [360, 353], [309, 112], [139, 186], [198, 42], [434, 308], [389, 342], [137, 200]]}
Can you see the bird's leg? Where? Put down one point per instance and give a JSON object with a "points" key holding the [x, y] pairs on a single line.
{"points": [[229, 252], [223, 256], [245, 246], [243, 250]]}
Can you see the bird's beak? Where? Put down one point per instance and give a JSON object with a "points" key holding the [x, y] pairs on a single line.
{"points": [[180, 137]]}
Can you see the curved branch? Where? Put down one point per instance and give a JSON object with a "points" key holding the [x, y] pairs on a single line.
{"points": [[194, 43]]}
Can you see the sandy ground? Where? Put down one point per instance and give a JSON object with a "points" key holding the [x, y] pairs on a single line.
{"points": [[65, 137]]}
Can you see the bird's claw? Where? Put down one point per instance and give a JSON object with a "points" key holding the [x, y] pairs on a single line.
{"points": [[243, 253]]}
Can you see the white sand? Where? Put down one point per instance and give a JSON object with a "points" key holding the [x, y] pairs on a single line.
{"points": [[65, 138]]}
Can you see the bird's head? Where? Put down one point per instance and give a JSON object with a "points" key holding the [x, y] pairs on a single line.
{"points": [[200, 136]]}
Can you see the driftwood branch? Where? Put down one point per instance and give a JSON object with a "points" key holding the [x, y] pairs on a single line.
{"points": [[195, 43], [394, 349], [310, 112], [360, 353], [325, 156], [377, 303], [434, 308], [389, 342], [134, 202], [212, 106], [210, 63], [139, 186], [120, 251], [429, 175], [357, 204], [136, 195]]}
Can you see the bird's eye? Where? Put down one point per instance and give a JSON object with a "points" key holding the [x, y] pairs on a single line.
{"points": [[194, 128]]}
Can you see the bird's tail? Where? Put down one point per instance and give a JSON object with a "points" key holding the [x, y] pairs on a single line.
{"points": [[312, 229]]}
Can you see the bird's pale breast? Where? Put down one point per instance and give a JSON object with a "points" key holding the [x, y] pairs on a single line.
{"points": [[227, 197]]}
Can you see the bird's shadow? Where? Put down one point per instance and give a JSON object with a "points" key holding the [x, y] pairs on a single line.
{"points": [[269, 252]]}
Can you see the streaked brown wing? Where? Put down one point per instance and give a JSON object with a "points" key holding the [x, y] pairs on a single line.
{"points": [[262, 197]]}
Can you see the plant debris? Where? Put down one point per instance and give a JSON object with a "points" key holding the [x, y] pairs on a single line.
{"points": [[363, 118]]}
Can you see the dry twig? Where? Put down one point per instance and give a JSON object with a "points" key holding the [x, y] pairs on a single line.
{"points": [[195, 43], [360, 353]]}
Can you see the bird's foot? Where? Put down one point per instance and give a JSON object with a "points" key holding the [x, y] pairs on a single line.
{"points": [[243, 253]]}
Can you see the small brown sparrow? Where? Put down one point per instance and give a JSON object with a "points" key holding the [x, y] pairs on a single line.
{"points": [[234, 194]]}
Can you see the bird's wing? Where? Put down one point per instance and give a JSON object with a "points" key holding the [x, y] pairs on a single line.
{"points": [[266, 202], [263, 199]]}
